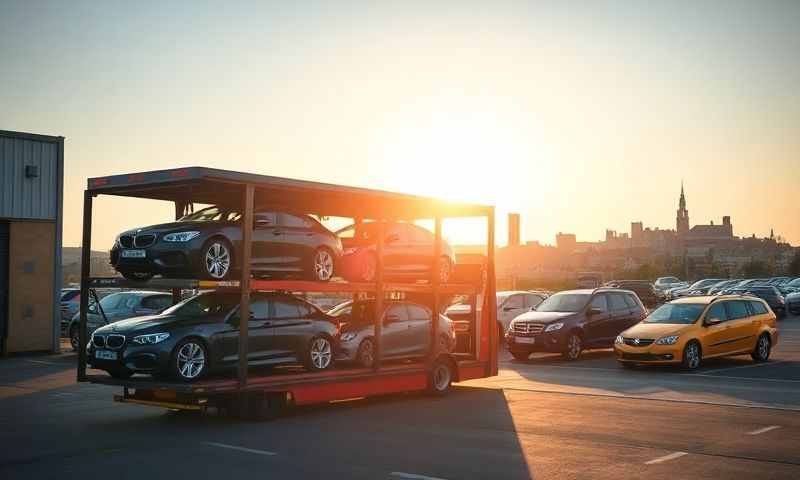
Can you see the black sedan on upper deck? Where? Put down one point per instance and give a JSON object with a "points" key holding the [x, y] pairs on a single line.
{"points": [[206, 244]]}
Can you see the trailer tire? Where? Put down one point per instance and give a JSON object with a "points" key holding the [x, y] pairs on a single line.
{"points": [[440, 377]]}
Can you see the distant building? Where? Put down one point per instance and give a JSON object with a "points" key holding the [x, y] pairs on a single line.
{"points": [[513, 230], [566, 242], [682, 219]]}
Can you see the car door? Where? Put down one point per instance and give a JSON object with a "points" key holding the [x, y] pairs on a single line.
{"points": [[740, 333], [297, 239], [420, 333], [258, 333], [292, 326], [636, 310], [620, 315], [396, 339], [267, 250], [511, 309], [716, 334], [420, 249], [396, 259], [597, 325]]}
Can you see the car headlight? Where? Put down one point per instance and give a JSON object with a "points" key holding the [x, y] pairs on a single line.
{"points": [[670, 340], [181, 236], [619, 340], [553, 327], [150, 339], [349, 336]]}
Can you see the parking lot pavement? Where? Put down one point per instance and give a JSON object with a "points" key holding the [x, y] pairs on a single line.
{"points": [[540, 419]]}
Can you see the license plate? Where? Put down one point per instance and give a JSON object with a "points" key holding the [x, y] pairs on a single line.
{"points": [[525, 339], [105, 355], [133, 253]]}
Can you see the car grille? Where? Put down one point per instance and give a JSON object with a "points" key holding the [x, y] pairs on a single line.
{"points": [[99, 341], [143, 241], [528, 328], [115, 341], [643, 342], [126, 241]]}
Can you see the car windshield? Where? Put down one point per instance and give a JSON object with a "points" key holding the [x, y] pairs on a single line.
{"points": [[341, 309], [564, 302], [212, 214], [793, 283], [204, 304], [113, 301], [681, 313]]}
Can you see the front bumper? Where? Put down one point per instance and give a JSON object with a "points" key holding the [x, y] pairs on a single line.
{"points": [[550, 342], [165, 258], [656, 354], [136, 358]]}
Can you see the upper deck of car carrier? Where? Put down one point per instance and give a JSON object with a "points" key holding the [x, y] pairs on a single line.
{"points": [[244, 191]]}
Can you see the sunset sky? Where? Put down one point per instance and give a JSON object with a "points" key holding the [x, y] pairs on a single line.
{"points": [[581, 116]]}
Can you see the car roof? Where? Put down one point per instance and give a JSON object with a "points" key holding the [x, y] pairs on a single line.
{"points": [[706, 299]]}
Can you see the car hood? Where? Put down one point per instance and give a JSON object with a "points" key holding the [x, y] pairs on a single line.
{"points": [[172, 227], [138, 324], [543, 317], [655, 330]]}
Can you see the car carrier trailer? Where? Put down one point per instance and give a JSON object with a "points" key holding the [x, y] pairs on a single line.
{"points": [[264, 395]]}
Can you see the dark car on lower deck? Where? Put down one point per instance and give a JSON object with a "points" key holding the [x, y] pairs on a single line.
{"points": [[201, 335], [207, 244], [572, 321]]}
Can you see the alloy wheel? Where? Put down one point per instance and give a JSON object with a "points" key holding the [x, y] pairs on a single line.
{"points": [[367, 353], [320, 353], [574, 347], [218, 260], [692, 356], [323, 265], [74, 338], [763, 347], [441, 377], [191, 360]]}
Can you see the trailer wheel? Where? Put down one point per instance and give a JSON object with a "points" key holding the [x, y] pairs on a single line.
{"points": [[440, 377]]}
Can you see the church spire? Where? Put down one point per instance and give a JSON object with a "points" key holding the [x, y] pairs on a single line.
{"points": [[682, 219]]}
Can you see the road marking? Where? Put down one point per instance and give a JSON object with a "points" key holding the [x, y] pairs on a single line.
{"points": [[241, 449], [666, 458], [40, 362], [413, 476], [752, 365], [764, 430]]}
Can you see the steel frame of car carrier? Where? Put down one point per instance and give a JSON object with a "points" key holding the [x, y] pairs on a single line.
{"points": [[262, 395]]}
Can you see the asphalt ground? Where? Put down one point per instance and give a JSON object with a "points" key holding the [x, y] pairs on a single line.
{"points": [[544, 418]]}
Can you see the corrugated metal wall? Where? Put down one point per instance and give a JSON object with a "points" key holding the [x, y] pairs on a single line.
{"points": [[28, 198]]}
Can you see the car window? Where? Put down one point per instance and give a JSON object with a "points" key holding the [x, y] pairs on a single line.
{"points": [[532, 301], [600, 302], [758, 307], [397, 234], [69, 295], [285, 309], [304, 309], [514, 301], [630, 301], [204, 305], [293, 221], [265, 219], [736, 309], [130, 302], [157, 302], [112, 302], [396, 313], [420, 235], [617, 302], [416, 312], [717, 312]]}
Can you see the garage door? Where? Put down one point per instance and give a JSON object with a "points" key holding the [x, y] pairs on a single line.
{"points": [[3, 281]]}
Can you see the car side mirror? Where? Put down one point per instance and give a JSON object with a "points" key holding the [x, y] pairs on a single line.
{"points": [[594, 311], [713, 321], [532, 309]]}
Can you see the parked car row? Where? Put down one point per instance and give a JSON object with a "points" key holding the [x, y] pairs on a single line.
{"points": [[207, 244], [684, 331], [200, 335], [772, 290]]}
